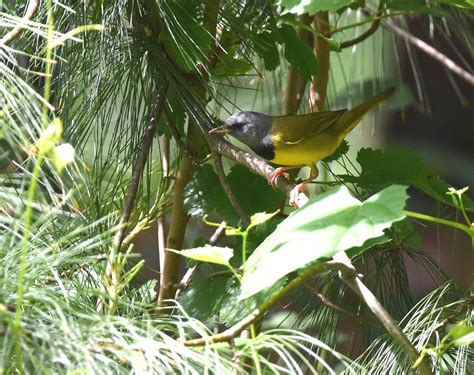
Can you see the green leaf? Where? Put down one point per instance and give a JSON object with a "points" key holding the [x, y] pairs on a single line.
{"points": [[208, 253], [234, 309], [204, 297], [232, 67], [265, 46], [328, 223], [418, 6], [204, 195], [406, 5], [253, 192], [437, 189], [340, 151], [260, 218], [462, 334], [401, 166], [383, 168], [312, 6], [298, 53]]}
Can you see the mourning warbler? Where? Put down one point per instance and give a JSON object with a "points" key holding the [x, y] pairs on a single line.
{"points": [[294, 141]]}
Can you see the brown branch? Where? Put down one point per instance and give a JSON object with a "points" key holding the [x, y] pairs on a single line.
{"points": [[293, 78], [161, 228], [253, 162], [371, 30], [349, 275], [185, 281], [328, 303], [137, 172], [177, 138], [352, 279], [179, 218], [432, 52], [30, 11], [318, 88], [228, 190]]}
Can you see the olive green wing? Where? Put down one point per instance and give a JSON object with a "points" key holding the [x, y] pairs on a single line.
{"points": [[294, 129]]}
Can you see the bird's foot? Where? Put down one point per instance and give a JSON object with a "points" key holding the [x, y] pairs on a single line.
{"points": [[280, 171], [294, 194]]}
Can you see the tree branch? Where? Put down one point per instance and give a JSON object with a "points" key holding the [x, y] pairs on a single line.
{"points": [[371, 30], [137, 172], [258, 313], [318, 88], [179, 218], [350, 277], [430, 51], [255, 163], [293, 78], [186, 280], [30, 11], [228, 190]]}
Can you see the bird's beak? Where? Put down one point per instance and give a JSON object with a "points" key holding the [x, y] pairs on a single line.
{"points": [[220, 130]]}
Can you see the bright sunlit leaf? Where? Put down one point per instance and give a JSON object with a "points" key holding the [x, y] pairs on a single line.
{"points": [[210, 254], [330, 222]]}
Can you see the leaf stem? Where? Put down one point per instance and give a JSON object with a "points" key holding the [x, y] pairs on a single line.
{"points": [[464, 228]]}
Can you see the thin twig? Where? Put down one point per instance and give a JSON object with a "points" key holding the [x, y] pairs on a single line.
{"points": [[318, 87], [371, 30], [293, 78], [137, 172], [258, 313], [30, 12], [228, 190], [179, 141], [328, 303], [253, 162], [191, 272], [161, 229], [430, 51]]}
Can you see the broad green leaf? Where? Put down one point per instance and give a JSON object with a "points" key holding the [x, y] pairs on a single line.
{"points": [[438, 188], [204, 297], [265, 46], [328, 223], [381, 168], [401, 166], [210, 254], [204, 195], [313, 6], [341, 150], [298, 53], [260, 218], [406, 5], [418, 6], [233, 309], [232, 67], [462, 334]]}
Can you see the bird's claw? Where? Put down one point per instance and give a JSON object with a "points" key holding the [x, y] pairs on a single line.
{"points": [[272, 178], [294, 194]]}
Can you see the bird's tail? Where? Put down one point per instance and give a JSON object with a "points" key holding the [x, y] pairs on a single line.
{"points": [[351, 118]]}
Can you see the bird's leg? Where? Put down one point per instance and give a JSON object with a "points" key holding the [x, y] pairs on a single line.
{"points": [[295, 192], [280, 171]]}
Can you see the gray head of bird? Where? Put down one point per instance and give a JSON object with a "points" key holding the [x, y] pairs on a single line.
{"points": [[248, 127]]}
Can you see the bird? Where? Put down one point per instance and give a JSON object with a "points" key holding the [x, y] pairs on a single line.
{"points": [[295, 141]]}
